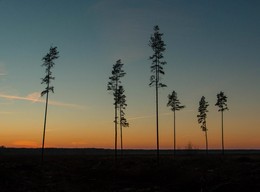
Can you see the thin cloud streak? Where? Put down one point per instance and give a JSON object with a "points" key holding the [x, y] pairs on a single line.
{"points": [[56, 103], [13, 97], [141, 117], [152, 116], [35, 98], [25, 143], [147, 116]]}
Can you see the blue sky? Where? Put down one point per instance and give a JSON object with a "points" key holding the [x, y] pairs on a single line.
{"points": [[212, 46]]}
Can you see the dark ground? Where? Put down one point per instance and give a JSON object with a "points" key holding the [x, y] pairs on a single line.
{"points": [[81, 172]]}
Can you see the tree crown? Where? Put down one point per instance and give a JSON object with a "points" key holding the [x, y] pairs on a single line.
{"points": [[203, 104], [117, 73], [158, 47], [174, 103], [48, 62], [221, 101]]}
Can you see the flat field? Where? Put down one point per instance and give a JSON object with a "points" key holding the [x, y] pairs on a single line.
{"points": [[81, 172]]}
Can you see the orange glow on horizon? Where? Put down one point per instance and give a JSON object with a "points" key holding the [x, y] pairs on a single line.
{"points": [[139, 135], [25, 144]]}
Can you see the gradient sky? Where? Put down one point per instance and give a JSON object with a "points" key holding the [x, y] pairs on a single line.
{"points": [[212, 46]]}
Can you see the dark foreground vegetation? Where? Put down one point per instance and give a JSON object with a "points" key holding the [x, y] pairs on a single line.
{"points": [[83, 172]]}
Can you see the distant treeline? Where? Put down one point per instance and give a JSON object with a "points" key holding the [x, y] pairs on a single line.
{"points": [[101, 151]]}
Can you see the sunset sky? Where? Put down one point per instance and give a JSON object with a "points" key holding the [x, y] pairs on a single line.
{"points": [[211, 46]]}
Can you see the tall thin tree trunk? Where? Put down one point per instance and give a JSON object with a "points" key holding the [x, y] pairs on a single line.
{"points": [[222, 132], [116, 132], [174, 134], [157, 125], [116, 123], [157, 114], [121, 133], [206, 136], [45, 122]]}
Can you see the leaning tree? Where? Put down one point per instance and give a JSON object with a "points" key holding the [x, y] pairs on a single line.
{"points": [[222, 104], [113, 87], [202, 116], [48, 63], [158, 47], [175, 105]]}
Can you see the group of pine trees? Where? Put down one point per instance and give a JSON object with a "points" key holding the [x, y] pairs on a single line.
{"points": [[115, 87], [202, 116], [175, 105]]}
